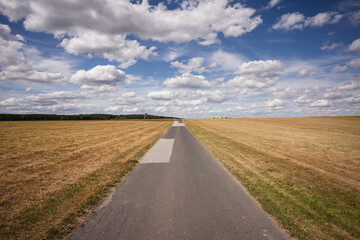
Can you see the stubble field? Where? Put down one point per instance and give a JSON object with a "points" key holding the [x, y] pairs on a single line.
{"points": [[53, 172], [304, 171]]}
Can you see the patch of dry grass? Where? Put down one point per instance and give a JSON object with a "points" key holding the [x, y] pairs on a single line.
{"points": [[52, 172], [304, 171]]}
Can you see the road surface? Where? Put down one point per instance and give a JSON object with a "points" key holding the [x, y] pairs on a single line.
{"points": [[179, 191]]}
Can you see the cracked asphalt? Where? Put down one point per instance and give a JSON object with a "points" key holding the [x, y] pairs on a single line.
{"points": [[189, 197]]}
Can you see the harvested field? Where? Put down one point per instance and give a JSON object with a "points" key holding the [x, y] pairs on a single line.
{"points": [[53, 172], [304, 171]]}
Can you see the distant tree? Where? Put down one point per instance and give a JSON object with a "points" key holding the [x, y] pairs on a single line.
{"points": [[53, 117]]}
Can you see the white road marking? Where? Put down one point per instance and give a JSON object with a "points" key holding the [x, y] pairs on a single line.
{"points": [[160, 152], [177, 124]]}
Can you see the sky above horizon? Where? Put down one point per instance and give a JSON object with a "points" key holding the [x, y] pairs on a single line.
{"points": [[190, 59]]}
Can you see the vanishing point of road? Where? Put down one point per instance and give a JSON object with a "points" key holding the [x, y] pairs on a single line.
{"points": [[179, 191]]}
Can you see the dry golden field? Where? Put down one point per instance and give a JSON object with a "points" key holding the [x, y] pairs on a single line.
{"points": [[304, 171], [53, 172]]}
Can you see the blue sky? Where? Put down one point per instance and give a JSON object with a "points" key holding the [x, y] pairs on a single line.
{"points": [[210, 58]]}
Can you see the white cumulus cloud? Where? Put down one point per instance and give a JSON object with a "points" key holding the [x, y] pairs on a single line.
{"points": [[355, 45], [260, 67], [258, 74], [287, 93], [161, 95], [272, 3], [112, 47], [187, 80], [320, 103], [350, 85], [15, 66], [226, 60], [102, 27], [99, 75], [321, 19], [275, 104], [305, 72], [253, 81], [218, 96], [291, 21], [43, 101], [354, 17], [129, 95], [193, 65], [99, 88], [190, 21], [15, 9], [355, 63], [339, 68], [330, 46]]}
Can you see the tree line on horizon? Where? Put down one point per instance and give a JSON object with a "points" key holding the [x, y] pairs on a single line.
{"points": [[54, 117]]}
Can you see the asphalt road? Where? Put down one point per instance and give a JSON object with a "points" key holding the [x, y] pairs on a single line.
{"points": [[179, 191]]}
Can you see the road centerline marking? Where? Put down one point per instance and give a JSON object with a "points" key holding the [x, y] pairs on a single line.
{"points": [[177, 124], [160, 152]]}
